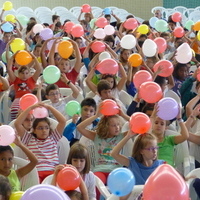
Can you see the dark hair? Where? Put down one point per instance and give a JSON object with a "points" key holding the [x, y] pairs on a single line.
{"points": [[105, 76], [5, 188], [130, 16], [160, 80], [163, 34], [109, 38], [89, 102], [74, 193], [107, 15], [22, 69], [170, 20], [177, 67], [43, 93], [45, 24], [37, 45], [51, 87], [54, 17], [103, 85], [58, 24], [30, 26], [6, 148]]}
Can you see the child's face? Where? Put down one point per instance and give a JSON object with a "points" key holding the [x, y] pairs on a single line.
{"points": [[79, 164], [24, 75], [6, 162], [183, 73], [87, 111], [150, 63], [114, 127], [105, 94], [125, 54], [111, 81], [64, 66], [54, 96], [28, 122], [42, 130], [79, 42], [37, 51], [159, 126]]}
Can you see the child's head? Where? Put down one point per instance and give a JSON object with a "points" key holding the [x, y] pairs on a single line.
{"points": [[7, 36], [162, 81], [110, 40], [109, 126], [79, 41], [28, 122], [145, 147], [88, 108], [23, 73], [79, 158], [165, 35], [37, 50], [111, 79], [104, 89], [181, 71], [55, 17], [88, 17], [64, 65], [159, 126], [53, 93], [74, 194], [124, 54], [171, 23], [151, 61], [5, 188]]}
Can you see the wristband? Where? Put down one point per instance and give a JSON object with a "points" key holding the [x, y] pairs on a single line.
{"points": [[180, 120], [68, 82]]}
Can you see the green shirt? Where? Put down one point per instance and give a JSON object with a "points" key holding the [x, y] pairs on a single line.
{"points": [[14, 181]]}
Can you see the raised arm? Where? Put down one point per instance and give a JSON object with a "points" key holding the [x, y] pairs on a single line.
{"points": [[123, 79], [11, 74], [89, 82], [5, 83], [52, 51]]}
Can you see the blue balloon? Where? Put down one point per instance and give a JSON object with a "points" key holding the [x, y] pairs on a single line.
{"points": [[153, 21], [107, 11], [7, 27], [121, 181]]}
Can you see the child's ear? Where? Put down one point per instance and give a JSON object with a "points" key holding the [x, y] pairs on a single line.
{"points": [[47, 96]]}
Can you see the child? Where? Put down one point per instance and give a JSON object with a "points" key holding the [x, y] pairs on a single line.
{"points": [[5, 188], [42, 141], [4, 85], [88, 109], [53, 94], [79, 158], [6, 163]]}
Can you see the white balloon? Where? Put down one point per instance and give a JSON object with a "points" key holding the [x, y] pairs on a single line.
{"points": [[184, 53], [109, 30], [99, 33], [104, 55], [149, 48], [128, 42]]}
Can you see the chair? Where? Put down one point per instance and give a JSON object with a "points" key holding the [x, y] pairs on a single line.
{"points": [[63, 150], [30, 179], [194, 16], [5, 105], [90, 94], [57, 9], [42, 9], [125, 98], [47, 180], [162, 9], [180, 9], [188, 11]]}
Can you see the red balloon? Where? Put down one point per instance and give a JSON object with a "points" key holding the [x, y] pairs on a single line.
{"points": [[176, 17], [161, 44], [166, 68], [179, 32], [150, 91], [101, 22], [27, 100], [140, 123], [68, 179], [98, 47], [165, 183], [130, 24], [68, 27], [86, 8], [109, 107], [77, 31], [108, 66], [141, 77]]}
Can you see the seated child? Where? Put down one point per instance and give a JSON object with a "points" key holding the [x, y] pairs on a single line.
{"points": [[5, 188]]}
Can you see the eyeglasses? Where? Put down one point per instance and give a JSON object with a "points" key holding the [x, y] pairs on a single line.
{"points": [[42, 128], [54, 94], [152, 148]]}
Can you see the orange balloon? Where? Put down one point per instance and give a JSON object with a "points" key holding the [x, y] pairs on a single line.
{"points": [[196, 26], [109, 107], [135, 59], [23, 57], [65, 49], [27, 100]]}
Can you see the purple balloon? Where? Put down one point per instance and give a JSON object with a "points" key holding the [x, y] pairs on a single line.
{"points": [[168, 108], [46, 33]]}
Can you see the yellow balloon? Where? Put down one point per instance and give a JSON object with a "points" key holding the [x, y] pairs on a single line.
{"points": [[198, 35], [193, 53], [143, 29], [10, 18], [17, 44], [16, 195], [7, 5]]}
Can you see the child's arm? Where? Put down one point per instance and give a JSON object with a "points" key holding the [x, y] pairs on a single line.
{"points": [[83, 190], [1, 15], [11, 74], [39, 89], [38, 69], [52, 51], [171, 83], [79, 17], [5, 83], [123, 79], [27, 38], [56, 171], [32, 158], [89, 82]]}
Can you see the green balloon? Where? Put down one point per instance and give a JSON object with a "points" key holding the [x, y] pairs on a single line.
{"points": [[161, 25], [92, 23], [3, 56], [188, 24], [51, 74], [22, 19], [66, 38], [72, 108]]}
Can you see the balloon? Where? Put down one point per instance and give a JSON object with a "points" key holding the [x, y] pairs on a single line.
{"points": [[166, 68], [139, 123], [27, 100], [99, 33], [104, 55], [196, 26], [10, 18], [44, 192], [198, 74], [198, 35], [135, 59], [37, 28], [161, 44], [101, 22], [121, 181], [3, 56], [179, 32], [149, 48], [46, 33], [51, 74], [40, 112], [68, 178], [184, 53], [65, 49], [130, 24], [166, 104], [143, 29], [109, 30], [150, 91], [176, 17], [68, 27], [161, 25], [92, 23], [22, 19], [23, 57], [165, 183], [16, 195], [128, 42], [7, 135], [107, 11], [188, 24], [77, 31], [109, 107], [107, 66], [72, 108], [153, 21], [7, 27], [7, 5], [140, 77], [17, 44], [98, 47], [66, 38], [86, 8]]}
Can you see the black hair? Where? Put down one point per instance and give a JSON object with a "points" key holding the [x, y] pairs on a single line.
{"points": [[51, 87], [103, 85], [160, 80], [6, 148], [5, 188], [177, 68], [89, 102]]}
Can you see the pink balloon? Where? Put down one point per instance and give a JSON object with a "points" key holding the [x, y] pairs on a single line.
{"points": [[98, 47], [101, 22], [109, 30], [179, 32], [141, 77], [176, 17], [161, 44], [109, 107], [27, 100], [46, 33], [50, 43], [166, 68], [40, 112], [86, 8], [7, 135], [108, 66], [150, 91], [68, 27], [99, 33], [130, 24], [77, 31], [37, 28]]}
